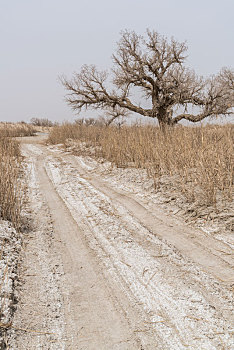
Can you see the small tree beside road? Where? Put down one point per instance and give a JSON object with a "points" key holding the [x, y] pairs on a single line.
{"points": [[156, 66]]}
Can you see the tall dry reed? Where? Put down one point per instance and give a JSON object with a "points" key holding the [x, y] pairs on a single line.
{"points": [[10, 209], [16, 129], [10, 184], [198, 159]]}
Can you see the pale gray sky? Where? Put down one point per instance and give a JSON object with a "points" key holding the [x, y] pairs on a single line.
{"points": [[42, 39]]}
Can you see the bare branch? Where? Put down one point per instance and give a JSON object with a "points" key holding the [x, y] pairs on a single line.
{"points": [[116, 113]]}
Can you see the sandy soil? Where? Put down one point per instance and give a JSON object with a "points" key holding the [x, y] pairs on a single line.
{"points": [[104, 269]]}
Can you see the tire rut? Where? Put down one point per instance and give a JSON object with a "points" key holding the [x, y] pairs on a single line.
{"points": [[133, 278], [173, 326]]}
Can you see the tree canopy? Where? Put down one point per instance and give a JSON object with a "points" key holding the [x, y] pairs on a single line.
{"points": [[156, 66]]}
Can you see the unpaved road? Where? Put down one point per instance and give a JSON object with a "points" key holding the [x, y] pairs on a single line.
{"points": [[102, 271]]}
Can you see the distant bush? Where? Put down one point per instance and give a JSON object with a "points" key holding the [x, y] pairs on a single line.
{"points": [[114, 118], [91, 121], [42, 122]]}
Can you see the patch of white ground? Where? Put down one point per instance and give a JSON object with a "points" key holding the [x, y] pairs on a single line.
{"points": [[10, 247], [38, 322], [181, 306], [216, 223]]}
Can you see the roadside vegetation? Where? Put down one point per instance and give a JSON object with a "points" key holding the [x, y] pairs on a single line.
{"points": [[16, 129], [11, 203], [10, 184], [198, 160]]}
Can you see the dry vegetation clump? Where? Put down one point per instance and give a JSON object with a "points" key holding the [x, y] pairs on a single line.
{"points": [[17, 129], [197, 159], [10, 186], [11, 194]]}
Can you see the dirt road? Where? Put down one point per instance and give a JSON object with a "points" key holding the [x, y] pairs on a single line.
{"points": [[103, 271]]}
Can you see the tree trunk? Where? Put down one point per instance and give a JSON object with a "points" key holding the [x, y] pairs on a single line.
{"points": [[164, 119]]}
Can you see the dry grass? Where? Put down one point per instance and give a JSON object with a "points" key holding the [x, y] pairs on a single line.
{"points": [[11, 190], [16, 129], [198, 159], [10, 185], [11, 195]]}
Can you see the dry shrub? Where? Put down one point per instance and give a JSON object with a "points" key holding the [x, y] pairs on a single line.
{"points": [[16, 129], [10, 185], [44, 122], [198, 159]]}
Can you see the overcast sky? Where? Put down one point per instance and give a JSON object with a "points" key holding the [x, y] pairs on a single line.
{"points": [[42, 39]]}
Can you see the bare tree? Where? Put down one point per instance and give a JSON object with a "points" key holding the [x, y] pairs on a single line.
{"points": [[154, 65]]}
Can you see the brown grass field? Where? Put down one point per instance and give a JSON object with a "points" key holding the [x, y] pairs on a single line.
{"points": [[16, 129], [11, 190], [198, 159]]}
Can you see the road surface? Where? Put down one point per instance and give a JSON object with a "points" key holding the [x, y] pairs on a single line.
{"points": [[100, 271]]}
